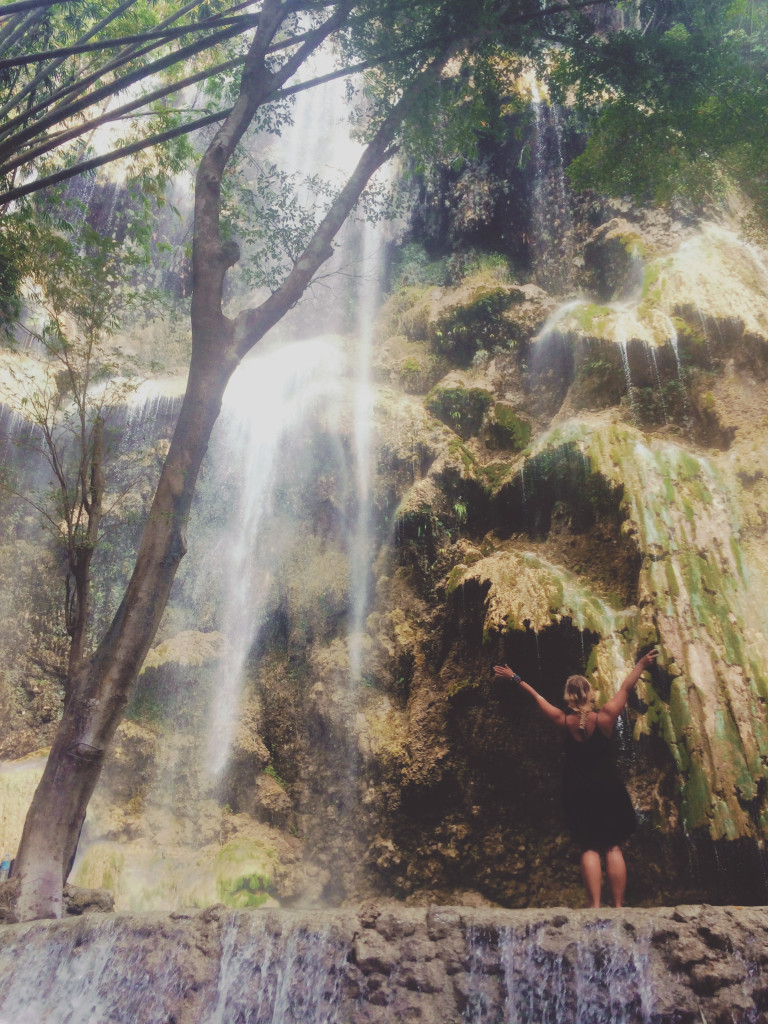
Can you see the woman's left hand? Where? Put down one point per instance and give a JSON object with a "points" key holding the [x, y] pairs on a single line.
{"points": [[648, 659]]}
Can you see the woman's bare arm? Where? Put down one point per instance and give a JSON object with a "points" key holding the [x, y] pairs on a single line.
{"points": [[555, 715], [610, 711]]}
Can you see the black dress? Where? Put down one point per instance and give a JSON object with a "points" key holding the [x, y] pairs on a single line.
{"points": [[598, 810]]}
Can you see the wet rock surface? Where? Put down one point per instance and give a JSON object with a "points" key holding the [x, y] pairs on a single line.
{"points": [[385, 962]]}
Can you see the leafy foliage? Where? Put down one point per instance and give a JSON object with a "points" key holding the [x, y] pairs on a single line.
{"points": [[63, 63], [273, 214], [69, 392], [673, 102]]}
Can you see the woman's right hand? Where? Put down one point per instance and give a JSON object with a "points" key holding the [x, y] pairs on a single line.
{"points": [[505, 672]]}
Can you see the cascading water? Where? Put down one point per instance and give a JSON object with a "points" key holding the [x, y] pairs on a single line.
{"points": [[551, 205], [246, 533], [278, 975], [597, 979], [289, 397], [270, 399], [360, 560]]}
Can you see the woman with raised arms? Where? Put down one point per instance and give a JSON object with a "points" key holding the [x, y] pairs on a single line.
{"points": [[598, 810]]}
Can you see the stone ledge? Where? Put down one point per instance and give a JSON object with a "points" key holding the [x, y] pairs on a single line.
{"points": [[386, 962]]}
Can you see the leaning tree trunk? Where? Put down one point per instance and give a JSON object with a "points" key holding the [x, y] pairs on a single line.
{"points": [[101, 688]]}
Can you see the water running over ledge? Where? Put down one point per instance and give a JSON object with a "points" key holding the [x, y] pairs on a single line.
{"points": [[441, 965]]}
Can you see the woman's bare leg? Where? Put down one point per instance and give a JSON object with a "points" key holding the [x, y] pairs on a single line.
{"points": [[617, 874], [592, 874]]}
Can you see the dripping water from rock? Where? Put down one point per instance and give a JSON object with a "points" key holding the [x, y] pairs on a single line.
{"points": [[275, 975], [552, 221], [267, 410]]}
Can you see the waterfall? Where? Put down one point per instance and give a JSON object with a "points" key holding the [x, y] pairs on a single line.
{"points": [[273, 975], [268, 404], [256, 969], [597, 978], [360, 558], [552, 221], [296, 418]]}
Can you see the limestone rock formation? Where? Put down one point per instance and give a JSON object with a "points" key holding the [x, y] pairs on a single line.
{"points": [[619, 514], [559, 481]]}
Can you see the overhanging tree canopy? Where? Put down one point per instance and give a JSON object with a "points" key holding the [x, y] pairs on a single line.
{"points": [[675, 102], [64, 68]]}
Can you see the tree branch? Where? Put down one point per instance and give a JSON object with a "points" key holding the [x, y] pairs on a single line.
{"points": [[76, 106], [106, 158], [252, 324], [80, 83], [211, 259], [24, 25], [8, 28], [160, 35], [117, 114], [41, 75], [25, 5]]}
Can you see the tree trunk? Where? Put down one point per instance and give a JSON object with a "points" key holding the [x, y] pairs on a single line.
{"points": [[80, 556], [101, 688]]}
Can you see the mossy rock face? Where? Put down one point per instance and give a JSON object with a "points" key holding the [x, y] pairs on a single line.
{"points": [[238, 874], [612, 260], [243, 870], [408, 312], [463, 330], [413, 373], [419, 533], [462, 409], [600, 381], [507, 430]]}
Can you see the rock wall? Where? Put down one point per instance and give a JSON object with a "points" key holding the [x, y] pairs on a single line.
{"points": [[580, 491], [564, 474], [381, 963]]}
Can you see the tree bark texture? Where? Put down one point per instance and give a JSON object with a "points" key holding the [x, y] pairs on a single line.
{"points": [[80, 551]]}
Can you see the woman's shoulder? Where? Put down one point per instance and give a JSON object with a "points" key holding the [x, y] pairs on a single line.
{"points": [[605, 722]]}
